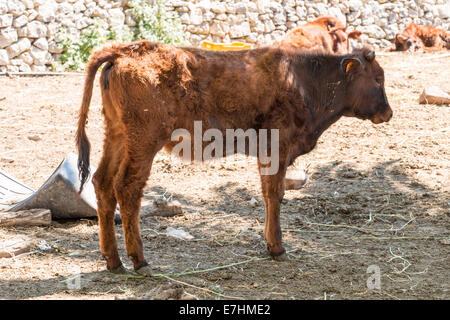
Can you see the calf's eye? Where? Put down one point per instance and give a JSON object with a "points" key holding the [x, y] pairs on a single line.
{"points": [[379, 80]]}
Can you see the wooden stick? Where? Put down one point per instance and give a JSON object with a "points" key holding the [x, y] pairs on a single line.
{"points": [[15, 245], [32, 217]]}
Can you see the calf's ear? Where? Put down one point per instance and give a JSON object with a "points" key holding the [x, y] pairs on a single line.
{"points": [[354, 34], [349, 65]]}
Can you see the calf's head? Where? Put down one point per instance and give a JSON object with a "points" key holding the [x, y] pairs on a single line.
{"points": [[365, 97], [410, 44], [341, 40]]}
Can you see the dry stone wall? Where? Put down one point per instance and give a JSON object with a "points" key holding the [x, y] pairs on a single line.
{"points": [[29, 28]]}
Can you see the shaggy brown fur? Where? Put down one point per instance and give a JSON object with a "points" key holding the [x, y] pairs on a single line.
{"points": [[151, 89], [325, 34], [421, 38]]}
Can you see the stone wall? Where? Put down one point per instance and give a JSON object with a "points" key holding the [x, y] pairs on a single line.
{"points": [[28, 28]]}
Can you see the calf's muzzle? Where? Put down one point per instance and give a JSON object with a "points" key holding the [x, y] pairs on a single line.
{"points": [[384, 116]]}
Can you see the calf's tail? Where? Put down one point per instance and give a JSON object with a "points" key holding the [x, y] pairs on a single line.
{"points": [[107, 54]]}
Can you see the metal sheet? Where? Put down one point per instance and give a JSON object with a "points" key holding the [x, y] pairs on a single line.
{"points": [[12, 191], [59, 193]]}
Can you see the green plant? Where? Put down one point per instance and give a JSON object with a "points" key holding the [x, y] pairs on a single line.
{"points": [[153, 23], [76, 51]]}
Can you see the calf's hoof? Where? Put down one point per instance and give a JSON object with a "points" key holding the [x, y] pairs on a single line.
{"points": [[144, 270], [278, 253], [280, 256], [119, 270]]}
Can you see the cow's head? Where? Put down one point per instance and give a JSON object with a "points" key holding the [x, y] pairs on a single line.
{"points": [[410, 44], [341, 40], [365, 97]]}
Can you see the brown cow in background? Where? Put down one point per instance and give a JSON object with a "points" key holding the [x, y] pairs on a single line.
{"points": [[325, 34], [150, 89], [421, 38]]}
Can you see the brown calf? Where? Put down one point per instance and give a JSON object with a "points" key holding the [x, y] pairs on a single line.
{"points": [[325, 34], [421, 38], [150, 89]]}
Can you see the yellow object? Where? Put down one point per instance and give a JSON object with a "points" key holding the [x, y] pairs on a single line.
{"points": [[226, 46]]}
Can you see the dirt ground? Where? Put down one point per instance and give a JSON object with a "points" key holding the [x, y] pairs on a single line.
{"points": [[378, 198]]}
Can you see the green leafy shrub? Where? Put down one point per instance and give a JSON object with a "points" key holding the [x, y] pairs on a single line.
{"points": [[153, 23], [76, 51]]}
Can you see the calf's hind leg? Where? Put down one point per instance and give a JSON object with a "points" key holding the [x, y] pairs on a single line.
{"points": [[130, 182], [106, 205]]}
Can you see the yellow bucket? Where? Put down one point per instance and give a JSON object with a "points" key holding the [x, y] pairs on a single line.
{"points": [[226, 46]]}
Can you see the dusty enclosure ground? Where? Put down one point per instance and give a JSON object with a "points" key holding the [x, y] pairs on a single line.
{"points": [[378, 198]]}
